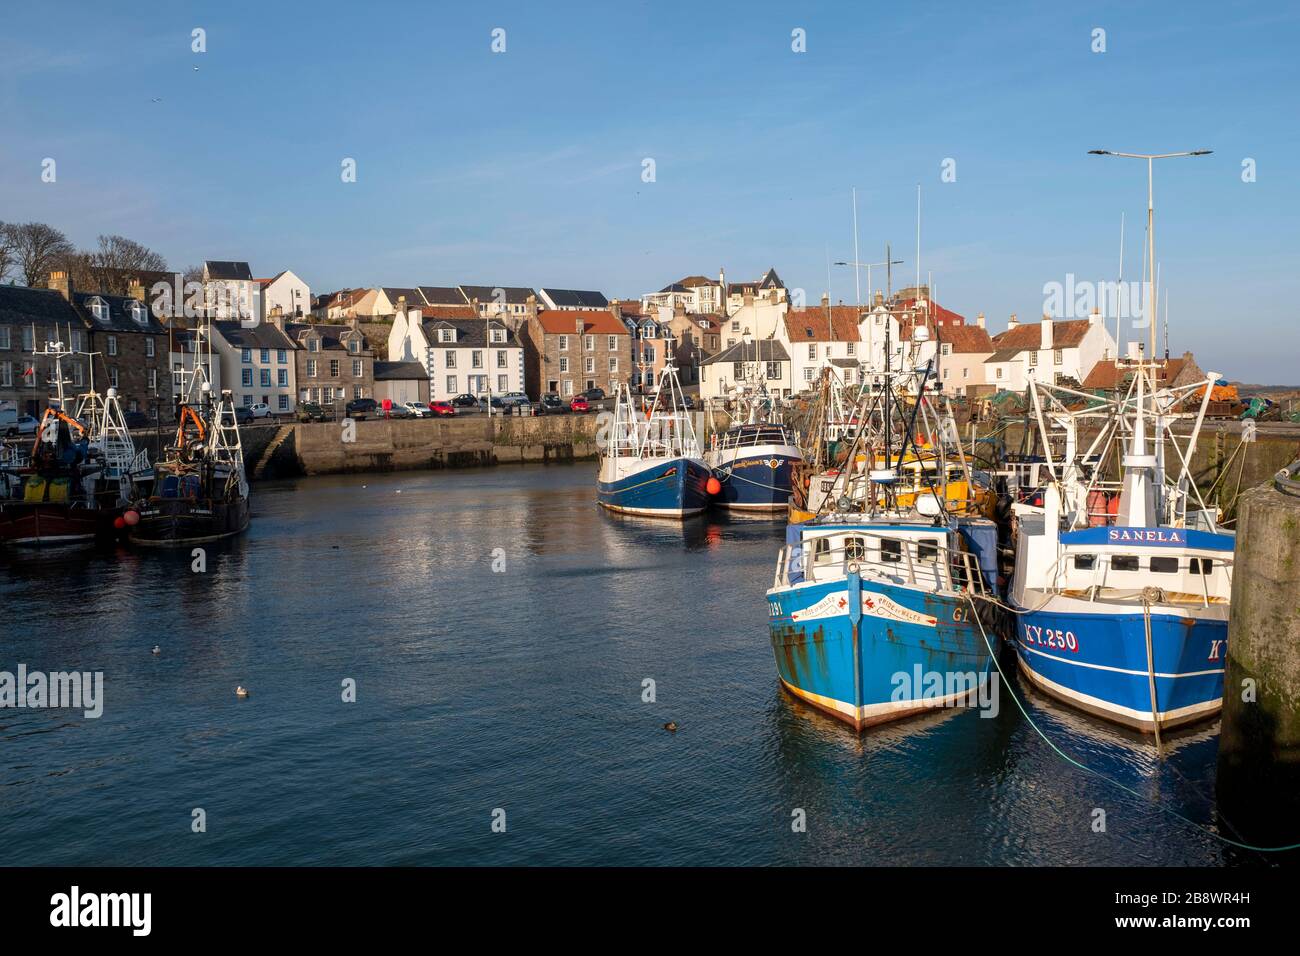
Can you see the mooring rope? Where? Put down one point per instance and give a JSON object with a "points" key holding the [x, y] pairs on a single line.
{"points": [[1097, 773]]}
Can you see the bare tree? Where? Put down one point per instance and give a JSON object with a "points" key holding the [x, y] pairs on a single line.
{"points": [[117, 261], [38, 248], [6, 250]]}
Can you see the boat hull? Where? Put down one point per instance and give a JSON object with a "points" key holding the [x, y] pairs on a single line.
{"points": [[754, 478], [49, 524], [178, 522], [1097, 662], [918, 650], [663, 488]]}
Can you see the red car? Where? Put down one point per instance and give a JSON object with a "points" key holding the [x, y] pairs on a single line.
{"points": [[442, 409], [579, 405]]}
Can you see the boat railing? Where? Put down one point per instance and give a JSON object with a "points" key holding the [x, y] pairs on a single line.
{"points": [[912, 562]]}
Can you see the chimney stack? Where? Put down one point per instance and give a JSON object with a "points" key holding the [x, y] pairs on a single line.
{"points": [[979, 320], [135, 290], [1046, 339], [61, 282], [1012, 322]]}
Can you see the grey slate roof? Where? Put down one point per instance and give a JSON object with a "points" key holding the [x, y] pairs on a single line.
{"points": [[263, 336], [119, 314], [470, 333], [220, 269], [393, 371], [331, 336], [443, 295], [20, 305], [577, 297], [760, 350], [514, 295], [413, 298], [1003, 355]]}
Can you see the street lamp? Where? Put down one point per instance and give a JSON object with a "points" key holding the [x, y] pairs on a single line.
{"points": [[1151, 223]]}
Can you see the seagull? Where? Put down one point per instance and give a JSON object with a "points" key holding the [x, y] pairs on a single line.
{"points": [[671, 726], [156, 99], [157, 649], [241, 691]]}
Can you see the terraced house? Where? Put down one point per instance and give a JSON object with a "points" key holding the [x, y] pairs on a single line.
{"points": [[257, 364], [476, 356], [30, 318], [571, 351], [333, 364], [129, 347]]}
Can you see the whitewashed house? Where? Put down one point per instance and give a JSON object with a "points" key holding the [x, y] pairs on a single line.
{"points": [[230, 292], [723, 372], [285, 294], [820, 336], [1048, 351], [476, 356]]}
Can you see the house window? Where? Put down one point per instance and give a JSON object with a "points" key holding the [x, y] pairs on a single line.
{"points": [[1033, 360], [311, 368], [648, 351], [851, 348], [6, 374], [6, 339], [446, 335], [265, 355], [588, 342], [29, 339], [476, 359], [281, 355], [503, 383], [148, 347], [589, 365], [735, 325], [613, 363], [612, 343], [498, 335], [112, 376], [773, 370], [1058, 356], [354, 346], [564, 343], [78, 343], [246, 356], [451, 385], [738, 370], [246, 378], [99, 310], [77, 375], [334, 368], [997, 373], [451, 359], [568, 386], [358, 369], [313, 345], [503, 360], [265, 378], [284, 403], [248, 400], [965, 373], [808, 374], [812, 351], [112, 345], [282, 377], [151, 377], [358, 391], [564, 365]]}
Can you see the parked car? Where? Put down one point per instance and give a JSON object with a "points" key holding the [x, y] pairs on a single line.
{"points": [[22, 425], [243, 415], [465, 400], [261, 410], [442, 409], [137, 420], [417, 410], [362, 408], [594, 395], [579, 405], [310, 412], [552, 404], [395, 411]]}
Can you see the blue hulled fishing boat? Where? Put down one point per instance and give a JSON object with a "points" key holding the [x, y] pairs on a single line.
{"points": [[1122, 588], [653, 466], [874, 610], [753, 459]]}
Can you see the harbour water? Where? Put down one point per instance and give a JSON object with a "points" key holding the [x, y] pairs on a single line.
{"points": [[514, 679]]}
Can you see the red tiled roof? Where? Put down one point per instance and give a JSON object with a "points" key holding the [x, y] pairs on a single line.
{"points": [[447, 312], [834, 323], [1029, 335], [1106, 374], [965, 338], [937, 312], [594, 322]]}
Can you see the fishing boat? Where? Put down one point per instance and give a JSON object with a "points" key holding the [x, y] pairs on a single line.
{"points": [[74, 484], [653, 466], [877, 611], [753, 459], [1122, 585]]}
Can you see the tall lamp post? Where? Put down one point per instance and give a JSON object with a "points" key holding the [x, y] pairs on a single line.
{"points": [[1151, 224], [868, 266]]}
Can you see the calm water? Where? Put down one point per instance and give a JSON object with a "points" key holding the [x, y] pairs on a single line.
{"points": [[519, 690]]}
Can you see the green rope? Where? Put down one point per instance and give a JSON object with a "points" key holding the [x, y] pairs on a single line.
{"points": [[1097, 773]]}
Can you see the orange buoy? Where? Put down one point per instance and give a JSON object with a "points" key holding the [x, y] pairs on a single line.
{"points": [[118, 523], [714, 486], [131, 517]]}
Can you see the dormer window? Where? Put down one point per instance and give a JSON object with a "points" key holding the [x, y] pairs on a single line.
{"points": [[446, 335], [138, 314], [498, 335], [313, 344], [354, 346], [99, 309]]}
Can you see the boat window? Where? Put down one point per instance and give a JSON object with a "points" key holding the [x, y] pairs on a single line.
{"points": [[1201, 566], [1164, 565], [1085, 562], [1123, 562], [821, 550], [927, 549], [891, 550], [855, 549]]}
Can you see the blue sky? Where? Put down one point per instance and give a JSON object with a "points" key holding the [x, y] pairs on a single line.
{"points": [[524, 167]]}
